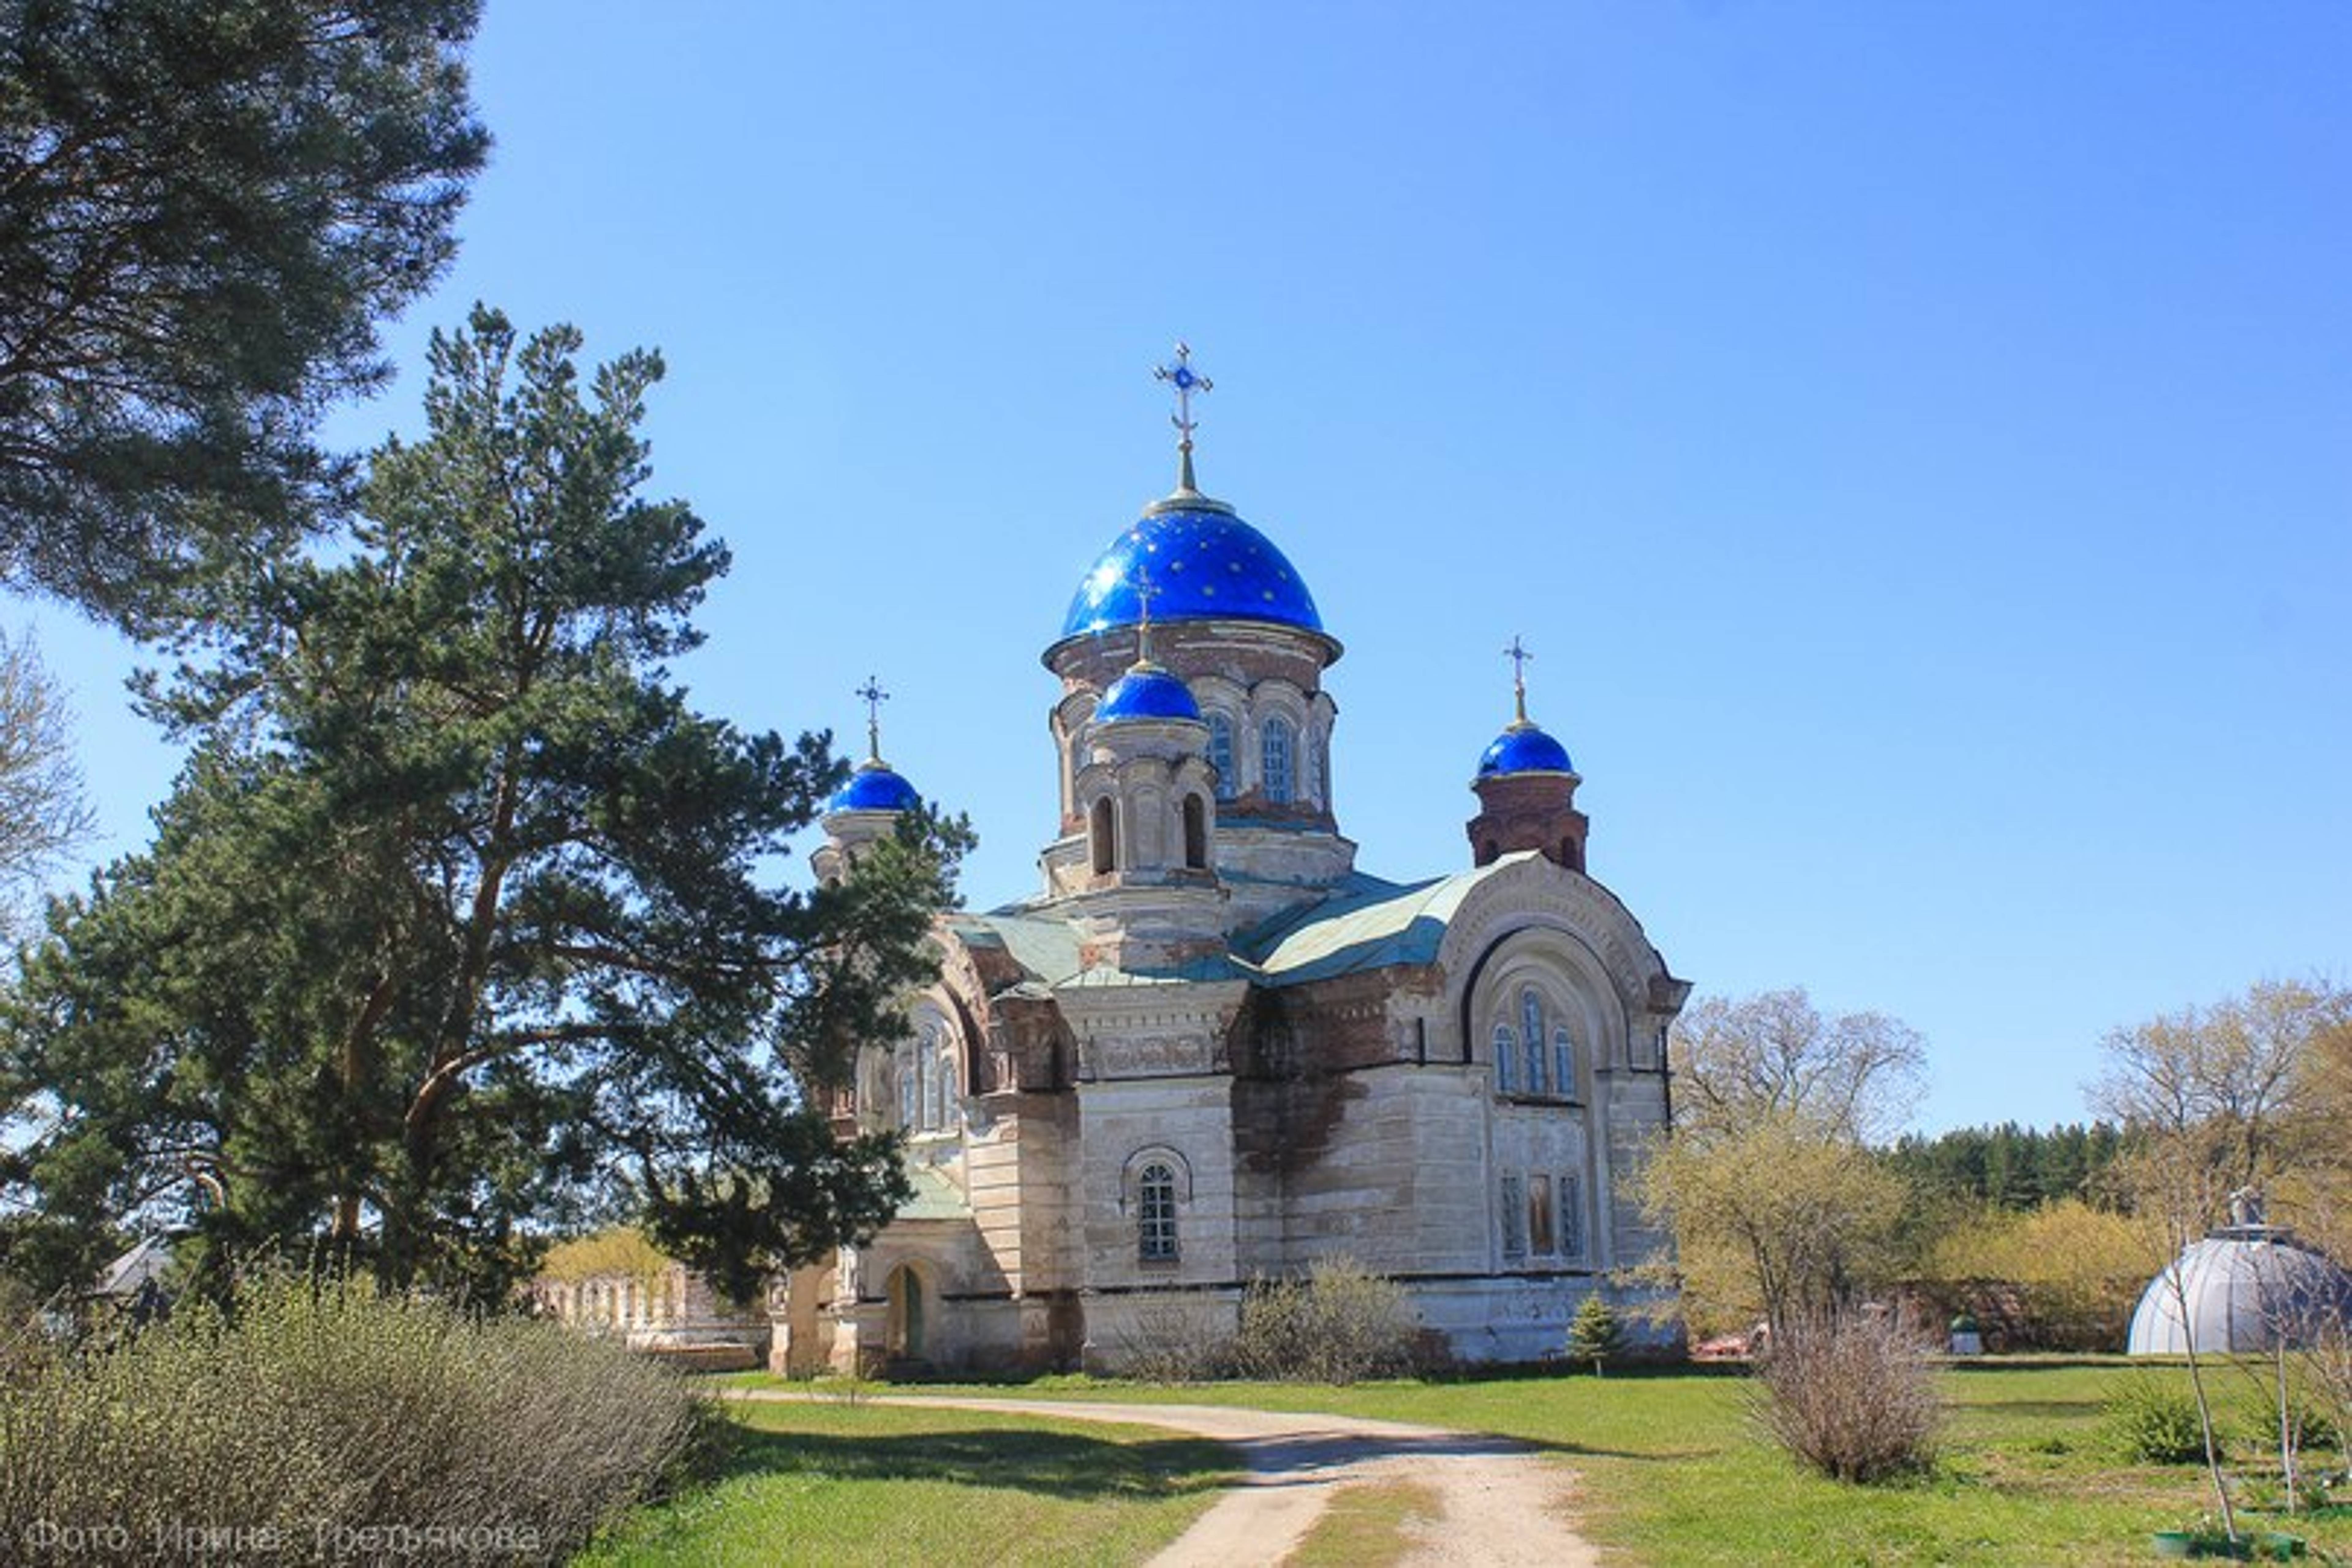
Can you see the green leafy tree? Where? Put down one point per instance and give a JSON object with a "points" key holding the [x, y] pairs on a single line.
{"points": [[460, 914], [203, 209], [1595, 1337]]}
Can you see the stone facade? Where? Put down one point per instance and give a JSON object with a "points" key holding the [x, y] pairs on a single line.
{"points": [[1211, 1050], [668, 1311]]}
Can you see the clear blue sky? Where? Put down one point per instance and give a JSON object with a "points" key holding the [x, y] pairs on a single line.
{"points": [[1916, 440]]}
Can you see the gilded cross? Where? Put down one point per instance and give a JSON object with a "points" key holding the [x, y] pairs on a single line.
{"points": [[874, 697], [1519, 656]]}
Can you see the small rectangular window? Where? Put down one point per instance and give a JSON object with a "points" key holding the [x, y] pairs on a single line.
{"points": [[1515, 1217], [1539, 1215]]}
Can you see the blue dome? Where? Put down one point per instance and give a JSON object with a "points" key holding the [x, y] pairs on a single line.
{"points": [[874, 787], [1203, 562], [1147, 692], [1524, 749]]}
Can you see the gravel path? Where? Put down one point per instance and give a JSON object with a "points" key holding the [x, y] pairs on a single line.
{"points": [[1504, 1503]]}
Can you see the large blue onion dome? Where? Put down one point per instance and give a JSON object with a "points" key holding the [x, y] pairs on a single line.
{"points": [[1524, 749], [1147, 691], [1203, 562], [875, 786]]}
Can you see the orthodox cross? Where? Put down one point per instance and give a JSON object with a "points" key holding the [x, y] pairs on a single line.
{"points": [[874, 697], [1186, 380], [1519, 656], [1144, 593]]}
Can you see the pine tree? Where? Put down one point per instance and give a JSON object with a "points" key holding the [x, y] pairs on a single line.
{"points": [[460, 916], [1595, 1336], [203, 210]]}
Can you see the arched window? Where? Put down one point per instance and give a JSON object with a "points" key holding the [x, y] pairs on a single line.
{"points": [[1276, 745], [1196, 833], [1564, 1060], [1531, 1020], [1155, 1209], [1220, 755], [1506, 1054], [1099, 831]]}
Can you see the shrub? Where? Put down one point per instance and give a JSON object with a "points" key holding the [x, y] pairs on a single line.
{"points": [[1339, 1324], [1852, 1393], [329, 1422], [2152, 1422], [1173, 1343]]}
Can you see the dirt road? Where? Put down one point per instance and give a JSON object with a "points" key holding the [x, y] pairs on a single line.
{"points": [[1504, 1503]]}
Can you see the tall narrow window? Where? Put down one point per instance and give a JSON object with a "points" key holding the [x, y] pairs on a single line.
{"points": [[909, 1088], [1531, 1020], [1196, 833], [1515, 1217], [1220, 755], [1276, 747], [1563, 1061], [930, 1058], [1506, 1053], [950, 1113], [1099, 830], [1539, 1232], [1571, 1215], [1155, 1197]]}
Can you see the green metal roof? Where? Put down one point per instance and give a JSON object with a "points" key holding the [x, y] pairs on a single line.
{"points": [[1366, 923], [935, 1197], [1376, 925], [1047, 948]]}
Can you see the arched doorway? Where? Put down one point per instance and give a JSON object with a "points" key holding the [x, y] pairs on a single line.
{"points": [[905, 1333]]}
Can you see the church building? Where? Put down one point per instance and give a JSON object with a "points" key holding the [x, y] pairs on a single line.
{"points": [[1209, 1049]]}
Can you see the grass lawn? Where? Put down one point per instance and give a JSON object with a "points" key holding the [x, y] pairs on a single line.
{"points": [[1673, 1475], [871, 1484]]}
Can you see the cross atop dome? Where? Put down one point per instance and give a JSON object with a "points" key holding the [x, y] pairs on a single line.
{"points": [[1186, 380], [1519, 656], [874, 697], [1145, 592]]}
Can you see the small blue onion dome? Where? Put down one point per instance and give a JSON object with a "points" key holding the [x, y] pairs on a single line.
{"points": [[874, 787], [1203, 562], [1524, 749], [1147, 691]]}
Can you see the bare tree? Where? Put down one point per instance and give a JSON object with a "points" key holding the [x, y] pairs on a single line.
{"points": [[1857, 1075], [43, 812], [2226, 1100]]}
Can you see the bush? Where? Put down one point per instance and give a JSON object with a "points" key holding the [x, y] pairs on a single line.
{"points": [[1339, 1324], [2153, 1422], [332, 1423], [1852, 1394]]}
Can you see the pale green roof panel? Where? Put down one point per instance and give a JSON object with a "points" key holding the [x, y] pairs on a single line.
{"points": [[1371, 925], [936, 1197]]}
